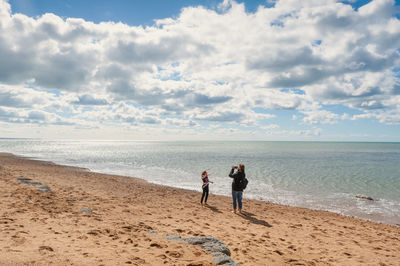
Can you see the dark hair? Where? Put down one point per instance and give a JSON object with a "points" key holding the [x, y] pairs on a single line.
{"points": [[241, 166], [204, 172]]}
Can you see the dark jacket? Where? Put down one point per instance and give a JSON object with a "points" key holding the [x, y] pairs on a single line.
{"points": [[236, 179]]}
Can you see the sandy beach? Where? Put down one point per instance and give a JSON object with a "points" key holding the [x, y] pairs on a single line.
{"points": [[52, 214]]}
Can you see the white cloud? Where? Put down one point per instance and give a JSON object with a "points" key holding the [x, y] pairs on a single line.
{"points": [[320, 117], [87, 99], [204, 65], [390, 118]]}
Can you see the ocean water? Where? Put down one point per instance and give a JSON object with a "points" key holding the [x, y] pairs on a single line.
{"points": [[317, 175]]}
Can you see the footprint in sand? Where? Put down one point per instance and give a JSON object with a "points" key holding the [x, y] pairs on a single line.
{"points": [[293, 261], [265, 235], [279, 252], [296, 225], [260, 241], [157, 245], [17, 240], [162, 256], [94, 232], [174, 253], [45, 249], [128, 241], [5, 220], [137, 260]]}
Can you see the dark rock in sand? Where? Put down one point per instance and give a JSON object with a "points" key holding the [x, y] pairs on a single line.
{"points": [[364, 197], [210, 244], [219, 251], [222, 259], [175, 238], [44, 188], [28, 181], [87, 210]]}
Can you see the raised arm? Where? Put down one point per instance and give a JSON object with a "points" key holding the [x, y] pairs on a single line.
{"points": [[231, 174]]}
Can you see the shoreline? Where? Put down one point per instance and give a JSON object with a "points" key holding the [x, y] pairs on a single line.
{"points": [[377, 218], [130, 218]]}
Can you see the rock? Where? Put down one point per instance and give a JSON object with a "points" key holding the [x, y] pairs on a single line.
{"points": [[175, 238], [87, 210], [222, 259], [22, 180], [364, 197], [219, 251], [210, 244], [44, 188], [197, 240], [27, 181]]}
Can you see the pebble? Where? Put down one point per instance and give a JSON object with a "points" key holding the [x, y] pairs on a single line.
{"points": [[87, 210]]}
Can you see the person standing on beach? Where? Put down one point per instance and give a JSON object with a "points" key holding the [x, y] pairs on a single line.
{"points": [[237, 191], [206, 182]]}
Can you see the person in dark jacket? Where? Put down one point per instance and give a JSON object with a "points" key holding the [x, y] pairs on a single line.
{"points": [[237, 192]]}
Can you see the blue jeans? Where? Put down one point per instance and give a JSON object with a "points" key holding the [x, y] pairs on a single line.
{"points": [[237, 196]]}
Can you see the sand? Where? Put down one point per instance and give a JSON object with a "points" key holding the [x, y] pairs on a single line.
{"points": [[94, 219]]}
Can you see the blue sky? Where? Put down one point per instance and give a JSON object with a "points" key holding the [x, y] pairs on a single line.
{"points": [[132, 12], [320, 70]]}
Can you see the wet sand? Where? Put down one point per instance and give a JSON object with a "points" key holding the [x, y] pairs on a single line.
{"points": [[86, 218]]}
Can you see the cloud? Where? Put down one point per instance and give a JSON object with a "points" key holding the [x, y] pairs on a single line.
{"points": [[204, 65], [282, 59], [8, 98], [320, 117], [23, 97], [366, 90], [225, 116], [12, 115], [200, 99], [389, 118], [88, 99]]}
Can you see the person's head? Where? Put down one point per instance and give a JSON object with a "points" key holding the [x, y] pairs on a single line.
{"points": [[204, 173], [241, 167]]}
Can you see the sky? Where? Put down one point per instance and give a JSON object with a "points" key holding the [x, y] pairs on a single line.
{"points": [[287, 70]]}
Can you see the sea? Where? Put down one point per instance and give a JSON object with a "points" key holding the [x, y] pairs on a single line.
{"points": [[316, 175]]}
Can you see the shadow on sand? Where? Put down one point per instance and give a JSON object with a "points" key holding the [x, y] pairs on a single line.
{"points": [[250, 217], [214, 209]]}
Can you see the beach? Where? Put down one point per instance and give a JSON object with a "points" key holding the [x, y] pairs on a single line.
{"points": [[54, 214]]}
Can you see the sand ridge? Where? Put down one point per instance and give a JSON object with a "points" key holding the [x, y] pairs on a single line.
{"points": [[129, 219]]}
